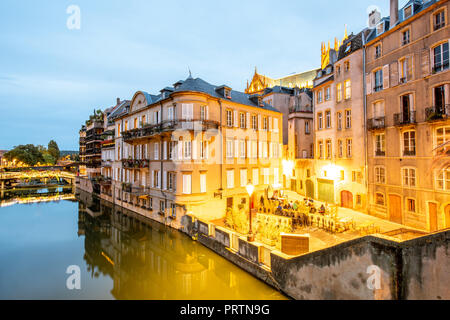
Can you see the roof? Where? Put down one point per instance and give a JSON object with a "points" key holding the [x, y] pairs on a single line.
{"points": [[352, 44], [199, 85], [120, 110]]}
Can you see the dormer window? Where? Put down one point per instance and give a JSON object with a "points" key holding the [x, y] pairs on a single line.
{"points": [[227, 93], [408, 11], [380, 28], [348, 48]]}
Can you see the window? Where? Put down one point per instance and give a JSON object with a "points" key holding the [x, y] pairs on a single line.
{"points": [[187, 183], [378, 80], [135, 123], [379, 199], [156, 179], [340, 149], [411, 205], [380, 175], [320, 120], [275, 125], [126, 126], [307, 129], [244, 180], [405, 69], [408, 11], [347, 63], [320, 151], [440, 54], [118, 130], [443, 140], [329, 149], [162, 206], [242, 120], [439, 20], [265, 124], [319, 96], [348, 119], [230, 179], [172, 150], [409, 177], [406, 37], [377, 51], [327, 93], [203, 113], [339, 120], [342, 175], [409, 143], [255, 177], [266, 175], [204, 150], [276, 176], [328, 119], [203, 183], [156, 151], [170, 113], [173, 210], [187, 149], [348, 89], [380, 28], [339, 92], [171, 180], [229, 118], [380, 144], [443, 180], [338, 70], [254, 123], [230, 149], [349, 148], [242, 149]]}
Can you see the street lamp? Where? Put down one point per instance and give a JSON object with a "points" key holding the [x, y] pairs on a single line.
{"points": [[250, 189]]}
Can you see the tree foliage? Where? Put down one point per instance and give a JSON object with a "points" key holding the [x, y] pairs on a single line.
{"points": [[53, 150], [28, 154]]}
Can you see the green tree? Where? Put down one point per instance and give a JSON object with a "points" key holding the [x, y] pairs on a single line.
{"points": [[53, 150], [28, 154]]}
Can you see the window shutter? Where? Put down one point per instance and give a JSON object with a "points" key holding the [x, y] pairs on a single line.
{"points": [[260, 149], [194, 144], [180, 150], [394, 74], [270, 149], [207, 112], [425, 63], [152, 179], [165, 180], [368, 83], [207, 150], [259, 122], [236, 123], [236, 148], [410, 68], [270, 123], [165, 150], [249, 149], [386, 77], [248, 119]]}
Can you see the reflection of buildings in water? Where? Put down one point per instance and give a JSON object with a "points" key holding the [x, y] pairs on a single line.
{"points": [[147, 260], [35, 195]]}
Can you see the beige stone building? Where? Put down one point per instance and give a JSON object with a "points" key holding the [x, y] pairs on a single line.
{"points": [[192, 149], [408, 97]]}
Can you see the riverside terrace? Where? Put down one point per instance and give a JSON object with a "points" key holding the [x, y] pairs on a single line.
{"points": [[149, 130]]}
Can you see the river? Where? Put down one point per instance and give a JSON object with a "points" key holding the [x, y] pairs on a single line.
{"points": [[119, 256]]}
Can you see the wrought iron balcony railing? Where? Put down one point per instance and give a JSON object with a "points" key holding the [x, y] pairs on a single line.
{"points": [[376, 123], [404, 118], [437, 112], [135, 163]]}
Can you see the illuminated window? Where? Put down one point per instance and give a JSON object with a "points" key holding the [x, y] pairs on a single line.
{"points": [[320, 151], [339, 91], [328, 119], [348, 89], [242, 149], [409, 177], [348, 119], [242, 120], [229, 118], [349, 148], [254, 123], [409, 143], [380, 144], [320, 120], [329, 149], [379, 199], [135, 123], [187, 149], [411, 205], [347, 63], [443, 140]]}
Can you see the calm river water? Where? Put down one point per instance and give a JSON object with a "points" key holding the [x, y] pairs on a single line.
{"points": [[120, 256]]}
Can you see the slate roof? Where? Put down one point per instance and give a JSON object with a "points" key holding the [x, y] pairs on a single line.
{"points": [[355, 42], [120, 110]]}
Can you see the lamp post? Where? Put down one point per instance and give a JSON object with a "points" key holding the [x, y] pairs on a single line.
{"points": [[250, 188]]}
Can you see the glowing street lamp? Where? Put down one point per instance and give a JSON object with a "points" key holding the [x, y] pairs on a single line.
{"points": [[250, 189]]}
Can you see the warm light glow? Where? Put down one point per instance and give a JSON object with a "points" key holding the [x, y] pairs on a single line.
{"points": [[250, 188], [333, 171], [288, 167]]}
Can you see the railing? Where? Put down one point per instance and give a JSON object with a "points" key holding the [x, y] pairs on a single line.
{"points": [[380, 153], [437, 112], [409, 152], [135, 163], [376, 123], [404, 118], [169, 125], [106, 163]]}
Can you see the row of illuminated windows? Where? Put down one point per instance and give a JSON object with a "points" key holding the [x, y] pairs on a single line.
{"points": [[325, 149], [245, 178], [381, 201], [343, 91], [408, 142], [245, 120], [409, 178], [324, 119], [252, 149]]}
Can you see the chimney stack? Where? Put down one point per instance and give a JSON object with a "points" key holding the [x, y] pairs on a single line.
{"points": [[118, 101], [394, 13]]}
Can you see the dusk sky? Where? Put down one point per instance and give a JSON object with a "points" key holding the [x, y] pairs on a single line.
{"points": [[51, 78]]}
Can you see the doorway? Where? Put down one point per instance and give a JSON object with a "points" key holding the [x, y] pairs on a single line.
{"points": [[395, 208], [346, 199], [309, 189], [432, 213]]}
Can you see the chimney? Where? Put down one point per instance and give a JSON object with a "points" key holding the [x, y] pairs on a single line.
{"points": [[118, 101], [394, 13]]}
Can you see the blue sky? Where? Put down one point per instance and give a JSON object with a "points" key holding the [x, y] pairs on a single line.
{"points": [[51, 78]]}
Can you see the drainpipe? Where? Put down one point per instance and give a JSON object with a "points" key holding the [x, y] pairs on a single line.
{"points": [[221, 148], [365, 117]]}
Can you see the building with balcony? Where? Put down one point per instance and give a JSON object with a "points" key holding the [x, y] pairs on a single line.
{"points": [[82, 151], [408, 82], [193, 148]]}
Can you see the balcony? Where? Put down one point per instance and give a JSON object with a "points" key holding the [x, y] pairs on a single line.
{"points": [[404, 118], [105, 181], [135, 163], [106, 163], [168, 126], [437, 113], [376, 123]]}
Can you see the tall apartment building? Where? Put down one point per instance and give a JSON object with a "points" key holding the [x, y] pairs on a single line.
{"points": [[82, 151], [193, 148], [408, 98]]}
